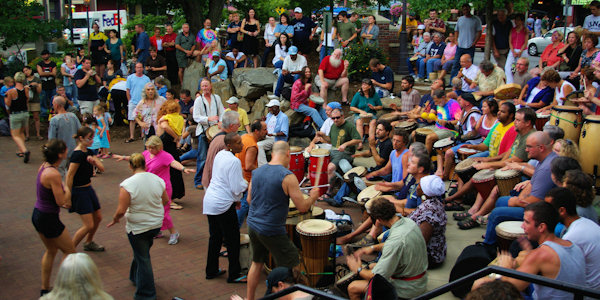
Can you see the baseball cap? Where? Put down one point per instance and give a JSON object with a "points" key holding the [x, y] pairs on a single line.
{"points": [[273, 102], [469, 98], [421, 26], [45, 52], [412, 14], [293, 50], [334, 105], [278, 274], [298, 10], [233, 100], [216, 53]]}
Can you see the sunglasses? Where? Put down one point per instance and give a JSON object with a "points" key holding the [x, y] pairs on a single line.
{"points": [[335, 118]]}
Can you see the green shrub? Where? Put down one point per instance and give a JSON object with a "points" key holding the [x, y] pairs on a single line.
{"points": [[359, 57], [151, 21]]}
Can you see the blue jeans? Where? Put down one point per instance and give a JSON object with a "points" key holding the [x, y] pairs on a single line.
{"points": [[230, 65], [421, 65], [242, 213], [459, 53], [318, 114], [430, 65], [410, 65], [71, 92], [278, 64], [200, 159], [189, 155], [324, 52], [46, 101], [481, 154], [141, 267], [289, 78], [501, 213]]}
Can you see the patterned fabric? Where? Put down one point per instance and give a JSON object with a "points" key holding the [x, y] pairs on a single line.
{"points": [[449, 112], [432, 211]]}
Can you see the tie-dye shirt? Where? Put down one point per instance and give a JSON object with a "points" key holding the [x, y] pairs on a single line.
{"points": [[449, 112]]}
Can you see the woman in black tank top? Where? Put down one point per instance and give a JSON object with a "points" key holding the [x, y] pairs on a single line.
{"points": [[16, 101]]}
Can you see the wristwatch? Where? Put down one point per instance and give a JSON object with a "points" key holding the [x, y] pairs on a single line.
{"points": [[358, 270]]}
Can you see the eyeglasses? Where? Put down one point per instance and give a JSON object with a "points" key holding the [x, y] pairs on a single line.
{"points": [[335, 118]]}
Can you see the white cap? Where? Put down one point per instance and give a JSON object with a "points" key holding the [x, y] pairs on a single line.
{"points": [[233, 100], [273, 102], [298, 10], [421, 26]]}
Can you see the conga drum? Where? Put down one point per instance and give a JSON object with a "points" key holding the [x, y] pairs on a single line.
{"points": [[464, 153], [506, 180], [569, 119], [297, 162], [408, 126], [390, 117], [316, 99], [319, 159], [590, 155], [507, 91], [465, 169], [484, 181], [541, 120], [507, 232], [211, 132], [443, 144], [359, 171], [367, 194], [366, 118], [422, 133], [316, 237]]}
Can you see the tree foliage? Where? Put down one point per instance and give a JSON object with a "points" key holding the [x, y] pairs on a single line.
{"points": [[422, 7]]}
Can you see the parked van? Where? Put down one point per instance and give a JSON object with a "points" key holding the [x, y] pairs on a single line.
{"points": [[106, 19]]}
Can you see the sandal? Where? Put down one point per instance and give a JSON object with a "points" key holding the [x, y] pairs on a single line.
{"points": [[242, 279], [127, 141], [459, 216], [482, 220], [324, 197], [467, 224], [176, 206], [20, 154], [223, 254], [454, 206]]}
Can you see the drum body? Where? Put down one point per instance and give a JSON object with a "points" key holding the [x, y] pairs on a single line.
{"points": [[390, 117], [463, 153], [211, 132], [319, 159], [507, 232], [408, 126], [590, 153], [443, 145], [359, 171], [367, 194], [297, 162], [316, 237], [540, 121], [506, 180], [569, 119], [484, 182], [465, 169], [422, 133]]}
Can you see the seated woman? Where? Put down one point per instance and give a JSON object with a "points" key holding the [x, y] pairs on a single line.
{"points": [[282, 45], [536, 93], [365, 101], [589, 102], [550, 57], [301, 90], [570, 54], [562, 89], [447, 61], [588, 55]]}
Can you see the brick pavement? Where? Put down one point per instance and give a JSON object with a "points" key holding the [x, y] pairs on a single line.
{"points": [[178, 269]]}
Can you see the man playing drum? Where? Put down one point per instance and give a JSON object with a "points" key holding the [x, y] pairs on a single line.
{"points": [[448, 115], [426, 105], [324, 131], [269, 192], [488, 79], [380, 147], [396, 165]]}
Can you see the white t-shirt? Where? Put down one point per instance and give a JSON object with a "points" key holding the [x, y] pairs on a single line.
{"points": [[326, 127], [272, 123], [470, 73], [230, 55], [145, 210], [592, 23], [585, 233], [227, 184], [294, 65]]}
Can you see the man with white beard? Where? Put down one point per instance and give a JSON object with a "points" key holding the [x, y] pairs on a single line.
{"points": [[332, 72]]}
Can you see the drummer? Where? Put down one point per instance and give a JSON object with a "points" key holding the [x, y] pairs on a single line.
{"points": [[270, 190], [589, 103], [426, 105], [448, 115], [321, 135], [562, 89], [365, 101], [301, 90], [396, 167], [277, 130], [488, 79], [380, 147]]}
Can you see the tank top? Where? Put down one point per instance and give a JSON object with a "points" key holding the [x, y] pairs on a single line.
{"points": [[250, 28], [397, 167], [484, 131], [572, 262], [518, 38], [46, 202], [19, 104], [270, 204], [559, 92]]}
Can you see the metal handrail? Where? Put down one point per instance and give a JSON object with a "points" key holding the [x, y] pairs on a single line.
{"points": [[304, 288], [578, 290]]}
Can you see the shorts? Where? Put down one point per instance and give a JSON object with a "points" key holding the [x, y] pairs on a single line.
{"points": [[87, 106], [48, 224], [34, 107], [130, 111], [331, 82], [18, 120], [281, 248], [182, 61], [84, 200], [336, 156]]}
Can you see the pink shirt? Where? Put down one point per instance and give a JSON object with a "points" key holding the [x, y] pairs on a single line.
{"points": [[518, 38], [449, 51], [159, 165], [299, 95]]}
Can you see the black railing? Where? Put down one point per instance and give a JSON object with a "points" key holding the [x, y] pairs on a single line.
{"points": [[306, 289], [578, 290]]}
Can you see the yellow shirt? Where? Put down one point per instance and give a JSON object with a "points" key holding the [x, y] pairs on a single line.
{"points": [[497, 134], [176, 122], [243, 118], [99, 36]]}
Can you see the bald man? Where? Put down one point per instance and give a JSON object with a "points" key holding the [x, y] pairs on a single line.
{"points": [[467, 73], [63, 126]]}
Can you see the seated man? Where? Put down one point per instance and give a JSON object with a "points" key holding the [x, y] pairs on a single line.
{"points": [[434, 53], [409, 97], [396, 165], [404, 255], [555, 258], [488, 79], [420, 54], [382, 77], [467, 73], [426, 105], [277, 130], [291, 69], [448, 115], [321, 135], [522, 75], [217, 68], [235, 59], [333, 72], [380, 146], [234, 104]]}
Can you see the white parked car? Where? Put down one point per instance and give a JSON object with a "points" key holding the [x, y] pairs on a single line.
{"points": [[537, 45]]}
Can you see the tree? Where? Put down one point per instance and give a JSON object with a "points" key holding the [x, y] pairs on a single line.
{"points": [[22, 22]]}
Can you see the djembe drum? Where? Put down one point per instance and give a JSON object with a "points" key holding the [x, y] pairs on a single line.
{"points": [[316, 237]]}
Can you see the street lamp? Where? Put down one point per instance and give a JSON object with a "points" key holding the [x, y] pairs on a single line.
{"points": [[402, 67], [87, 15]]}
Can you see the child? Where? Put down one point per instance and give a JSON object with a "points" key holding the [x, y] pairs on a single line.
{"points": [[9, 83], [161, 86], [101, 130], [418, 36], [90, 121], [131, 63]]}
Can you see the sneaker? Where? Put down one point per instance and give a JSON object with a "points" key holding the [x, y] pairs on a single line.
{"points": [[92, 246], [174, 239], [333, 203], [366, 241]]}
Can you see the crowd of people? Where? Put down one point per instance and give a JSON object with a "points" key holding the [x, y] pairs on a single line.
{"points": [[243, 165]]}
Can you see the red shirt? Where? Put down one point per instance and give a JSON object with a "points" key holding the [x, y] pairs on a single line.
{"points": [[169, 38], [153, 41], [329, 71], [549, 55]]}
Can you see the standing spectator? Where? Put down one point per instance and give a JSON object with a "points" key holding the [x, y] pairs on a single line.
{"points": [[251, 29], [35, 86], [97, 48], [501, 28], [282, 48], [233, 30], [411, 23], [434, 24], [235, 59], [86, 80], [446, 63], [468, 31], [269, 38], [530, 22], [284, 26], [206, 35], [146, 112], [301, 90], [47, 71], [16, 105], [434, 54], [142, 44], [168, 43], [517, 41], [333, 72], [135, 86], [112, 71], [185, 45], [327, 45], [63, 126], [354, 18], [68, 70], [217, 68], [346, 30], [591, 24], [118, 94], [370, 32], [156, 41], [545, 24], [115, 48], [156, 64], [291, 69], [141, 200], [304, 29], [277, 130], [537, 26], [382, 77]]}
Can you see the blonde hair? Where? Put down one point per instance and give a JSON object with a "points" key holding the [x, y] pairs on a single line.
{"points": [[20, 77], [78, 278], [154, 142], [100, 108], [569, 149], [137, 161], [145, 96]]}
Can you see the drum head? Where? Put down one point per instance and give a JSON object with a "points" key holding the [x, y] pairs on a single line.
{"points": [[505, 174], [316, 99], [511, 229], [319, 152], [424, 131], [360, 171], [507, 91], [443, 143], [567, 108], [406, 124], [466, 150], [316, 227], [465, 164], [295, 149], [367, 194], [484, 175], [317, 211], [367, 115], [592, 119]]}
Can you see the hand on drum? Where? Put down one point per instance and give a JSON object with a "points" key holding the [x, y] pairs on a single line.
{"points": [[481, 166], [353, 261], [521, 185], [362, 251], [512, 166], [505, 260], [384, 187]]}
